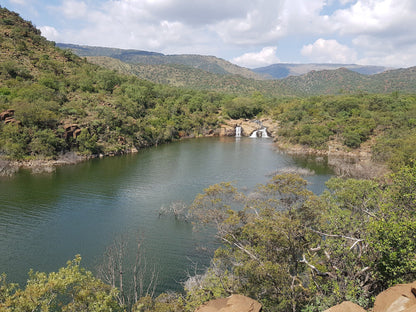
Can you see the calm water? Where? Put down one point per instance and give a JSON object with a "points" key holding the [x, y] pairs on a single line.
{"points": [[47, 219]]}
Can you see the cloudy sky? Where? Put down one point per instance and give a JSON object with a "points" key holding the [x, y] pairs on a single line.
{"points": [[251, 33]]}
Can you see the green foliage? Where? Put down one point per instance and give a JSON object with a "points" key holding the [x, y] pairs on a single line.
{"points": [[14, 70], [87, 143], [70, 289], [393, 234], [242, 108], [351, 121], [291, 250], [14, 141], [46, 143], [49, 88]]}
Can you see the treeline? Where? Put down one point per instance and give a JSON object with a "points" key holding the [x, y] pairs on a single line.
{"points": [[351, 120], [281, 245]]}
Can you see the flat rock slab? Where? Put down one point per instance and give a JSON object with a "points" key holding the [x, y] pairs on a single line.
{"points": [[399, 298], [234, 303], [346, 306]]}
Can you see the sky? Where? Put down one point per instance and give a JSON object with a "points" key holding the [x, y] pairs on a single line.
{"points": [[249, 33]]}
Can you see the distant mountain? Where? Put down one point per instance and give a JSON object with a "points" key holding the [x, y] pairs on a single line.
{"points": [[211, 73], [210, 64], [336, 81], [180, 75], [283, 70]]}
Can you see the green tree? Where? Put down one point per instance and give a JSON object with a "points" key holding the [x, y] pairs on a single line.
{"points": [[72, 288]]}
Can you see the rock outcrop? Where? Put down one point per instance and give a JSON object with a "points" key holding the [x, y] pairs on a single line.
{"points": [[234, 303], [247, 127], [399, 298], [346, 306], [71, 130], [7, 117]]}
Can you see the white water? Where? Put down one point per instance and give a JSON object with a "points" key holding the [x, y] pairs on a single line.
{"points": [[238, 132], [262, 133]]}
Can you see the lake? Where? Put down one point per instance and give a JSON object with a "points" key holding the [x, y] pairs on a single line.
{"points": [[46, 219]]}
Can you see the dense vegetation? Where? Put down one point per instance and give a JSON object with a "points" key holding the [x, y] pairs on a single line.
{"points": [[351, 120], [281, 244], [295, 251], [54, 102]]}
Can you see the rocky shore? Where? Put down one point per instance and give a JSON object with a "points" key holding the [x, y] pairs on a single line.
{"points": [[345, 162], [10, 167], [351, 163]]}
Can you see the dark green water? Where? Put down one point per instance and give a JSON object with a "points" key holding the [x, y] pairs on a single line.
{"points": [[47, 219]]}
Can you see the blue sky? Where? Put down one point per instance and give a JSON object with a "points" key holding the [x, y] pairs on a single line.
{"points": [[251, 33]]}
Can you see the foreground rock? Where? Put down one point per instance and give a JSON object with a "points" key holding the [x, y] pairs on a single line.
{"points": [[234, 303], [397, 298], [346, 306]]}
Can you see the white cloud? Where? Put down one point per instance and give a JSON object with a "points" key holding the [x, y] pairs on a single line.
{"points": [[266, 56], [49, 32], [344, 2], [383, 17], [74, 9], [373, 29], [19, 2], [329, 51]]}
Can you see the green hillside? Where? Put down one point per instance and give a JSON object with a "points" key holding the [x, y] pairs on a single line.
{"points": [[178, 75], [209, 64], [53, 102], [336, 81]]}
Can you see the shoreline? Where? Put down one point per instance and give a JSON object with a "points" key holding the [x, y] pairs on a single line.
{"points": [[349, 163], [346, 163]]}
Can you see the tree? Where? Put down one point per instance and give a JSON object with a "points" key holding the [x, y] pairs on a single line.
{"points": [[133, 279], [264, 238], [72, 288]]}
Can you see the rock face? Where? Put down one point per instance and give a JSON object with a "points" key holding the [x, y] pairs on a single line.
{"points": [[346, 306], [71, 130], [247, 127], [399, 298], [234, 303]]}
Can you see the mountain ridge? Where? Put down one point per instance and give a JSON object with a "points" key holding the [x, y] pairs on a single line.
{"points": [[208, 63], [284, 70]]}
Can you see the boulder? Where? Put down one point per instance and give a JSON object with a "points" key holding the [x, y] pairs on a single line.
{"points": [[234, 303], [7, 114], [346, 306], [71, 130], [399, 298]]}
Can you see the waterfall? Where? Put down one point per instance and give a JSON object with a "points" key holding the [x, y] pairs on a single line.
{"points": [[263, 133], [237, 131]]}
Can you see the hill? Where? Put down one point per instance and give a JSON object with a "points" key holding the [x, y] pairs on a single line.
{"points": [[53, 102], [283, 70], [209, 64], [213, 74]]}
